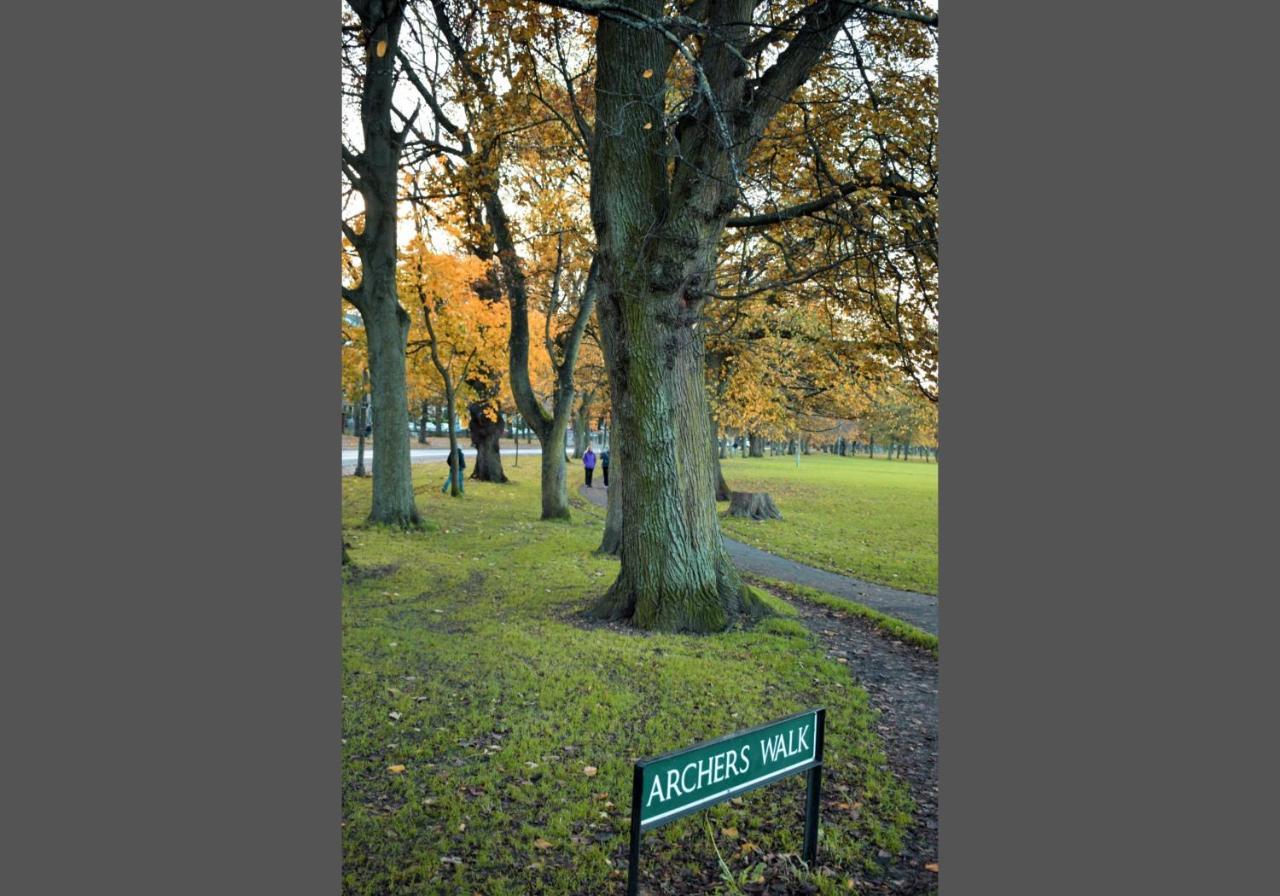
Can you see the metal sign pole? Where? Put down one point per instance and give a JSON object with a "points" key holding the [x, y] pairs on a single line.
{"points": [[633, 863], [813, 797]]}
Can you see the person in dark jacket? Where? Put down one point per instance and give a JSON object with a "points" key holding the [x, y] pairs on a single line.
{"points": [[604, 466], [589, 464], [457, 464]]}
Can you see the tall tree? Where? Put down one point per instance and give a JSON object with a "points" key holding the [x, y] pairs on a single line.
{"points": [[458, 329], [372, 170], [661, 193], [477, 126]]}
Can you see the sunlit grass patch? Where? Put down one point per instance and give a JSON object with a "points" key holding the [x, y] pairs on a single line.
{"points": [[465, 662]]}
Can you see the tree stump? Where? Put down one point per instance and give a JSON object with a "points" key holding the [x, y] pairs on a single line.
{"points": [[756, 505]]}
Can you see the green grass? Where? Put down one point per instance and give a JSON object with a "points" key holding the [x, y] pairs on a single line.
{"points": [[903, 631], [874, 519], [468, 631]]}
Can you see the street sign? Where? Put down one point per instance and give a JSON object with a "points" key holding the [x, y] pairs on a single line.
{"points": [[675, 784]]}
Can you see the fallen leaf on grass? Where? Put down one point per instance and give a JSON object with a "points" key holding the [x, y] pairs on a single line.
{"points": [[395, 769], [590, 771], [542, 844], [451, 860], [932, 866], [395, 716]]}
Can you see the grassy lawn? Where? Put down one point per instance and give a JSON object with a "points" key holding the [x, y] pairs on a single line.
{"points": [[874, 519], [489, 732]]}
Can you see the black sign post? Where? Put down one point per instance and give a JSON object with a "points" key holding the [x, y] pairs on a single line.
{"points": [[723, 768]]}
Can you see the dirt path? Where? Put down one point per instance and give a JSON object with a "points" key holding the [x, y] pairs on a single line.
{"points": [[921, 610], [902, 684]]}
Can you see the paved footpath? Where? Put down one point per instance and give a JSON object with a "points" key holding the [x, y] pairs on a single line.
{"points": [[921, 610]]}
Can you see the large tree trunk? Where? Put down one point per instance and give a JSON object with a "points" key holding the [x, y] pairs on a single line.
{"points": [[676, 574], [388, 333], [386, 323], [487, 425], [757, 446], [657, 224]]}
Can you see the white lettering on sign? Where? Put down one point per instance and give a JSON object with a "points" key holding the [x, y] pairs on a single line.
{"points": [[684, 784], [708, 770], [784, 746], [722, 766]]}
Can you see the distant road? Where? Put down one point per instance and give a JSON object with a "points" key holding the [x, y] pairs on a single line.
{"points": [[435, 455]]}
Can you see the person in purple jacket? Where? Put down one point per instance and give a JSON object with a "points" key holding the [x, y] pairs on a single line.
{"points": [[589, 464]]}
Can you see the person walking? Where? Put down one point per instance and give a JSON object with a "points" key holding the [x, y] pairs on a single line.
{"points": [[604, 466], [589, 464], [457, 463]]}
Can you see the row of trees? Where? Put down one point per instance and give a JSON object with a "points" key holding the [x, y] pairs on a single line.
{"points": [[724, 209]]}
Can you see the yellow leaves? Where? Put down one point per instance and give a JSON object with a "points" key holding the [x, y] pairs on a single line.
{"points": [[542, 843], [729, 832], [931, 866], [648, 125], [381, 49], [647, 73], [396, 769]]}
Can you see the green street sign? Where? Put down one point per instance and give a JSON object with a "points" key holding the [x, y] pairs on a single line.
{"points": [[687, 780], [670, 786]]}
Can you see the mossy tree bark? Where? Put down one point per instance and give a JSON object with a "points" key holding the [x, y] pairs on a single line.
{"points": [[372, 171], [660, 198]]}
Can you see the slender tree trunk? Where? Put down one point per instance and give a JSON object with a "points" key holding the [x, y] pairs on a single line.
{"points": [[611, 542], [487, 425], [422, 424], [456, 475], [580, 429], [723, 492], [359, 425]]}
